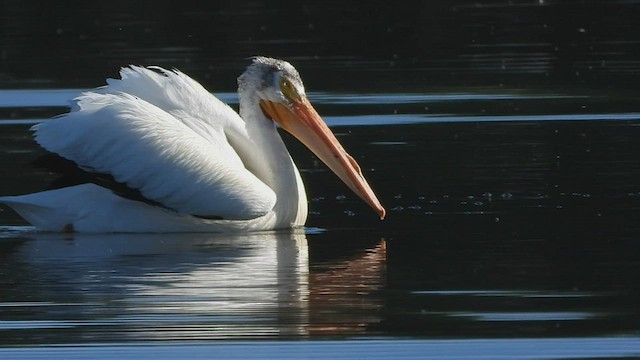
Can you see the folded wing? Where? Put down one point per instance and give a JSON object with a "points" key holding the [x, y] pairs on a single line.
{"points": [[175, 154]]}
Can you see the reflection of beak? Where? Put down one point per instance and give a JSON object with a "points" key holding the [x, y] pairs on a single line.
{"points": [[303, 122]]}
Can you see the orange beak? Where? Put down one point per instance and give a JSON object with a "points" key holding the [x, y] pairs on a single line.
{"points": [[306, 125]]}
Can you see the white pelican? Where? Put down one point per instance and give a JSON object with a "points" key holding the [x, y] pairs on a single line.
{"points": [[194, 164]]}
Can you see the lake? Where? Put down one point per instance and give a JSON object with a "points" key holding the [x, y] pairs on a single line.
{"points": [[500, 226], [512, 189]]}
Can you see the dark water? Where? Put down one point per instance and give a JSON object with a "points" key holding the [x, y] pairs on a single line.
{"points": [[509, 166]]}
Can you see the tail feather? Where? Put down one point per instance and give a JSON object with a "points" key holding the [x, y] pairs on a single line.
{"points": [[91, 208], [41, 211]]}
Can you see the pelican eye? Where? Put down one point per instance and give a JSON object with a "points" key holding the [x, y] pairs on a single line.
{"points": [[288, 89]]}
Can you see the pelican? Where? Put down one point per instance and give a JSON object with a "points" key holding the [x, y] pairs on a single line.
{"points": [[177, 159]]}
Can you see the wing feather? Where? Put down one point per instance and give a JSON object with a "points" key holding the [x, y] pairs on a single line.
{"points": [[178, 94], [149, 148]]}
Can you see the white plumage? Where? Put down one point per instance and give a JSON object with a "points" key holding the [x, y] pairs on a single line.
{"points": [[152, 150], [192, 156]]}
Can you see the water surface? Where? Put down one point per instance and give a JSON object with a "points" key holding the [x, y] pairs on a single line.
{"points": [[506, 230]]}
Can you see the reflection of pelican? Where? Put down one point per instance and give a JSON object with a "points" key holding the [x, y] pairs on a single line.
{"points": [[147, 286], [344, 298], [178, 159], [186, 286]]}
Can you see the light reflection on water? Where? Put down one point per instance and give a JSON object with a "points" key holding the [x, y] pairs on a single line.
{"points": [[447, 349], [61, 97]]}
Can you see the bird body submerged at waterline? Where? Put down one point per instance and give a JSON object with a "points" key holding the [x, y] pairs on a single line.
{"points": [[195, 164]]}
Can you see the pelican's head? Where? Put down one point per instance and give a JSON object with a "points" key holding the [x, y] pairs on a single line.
{"points": [[274, 80], [282, 98]]}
